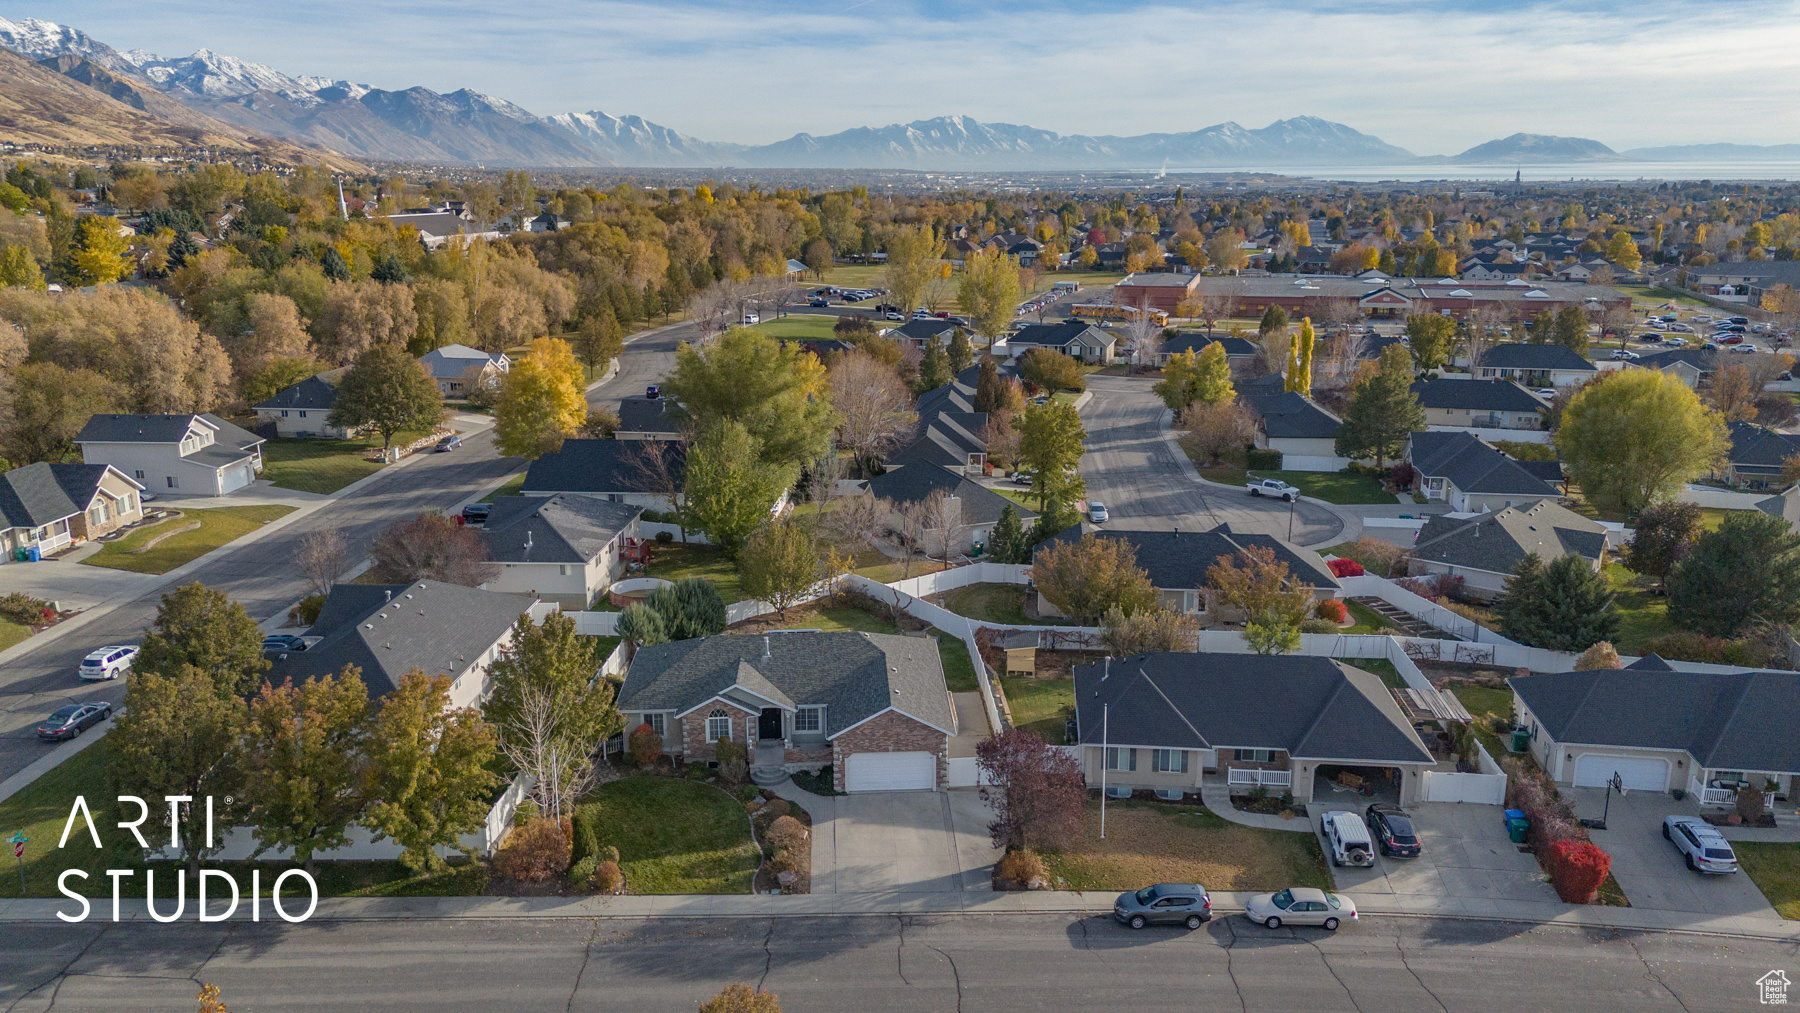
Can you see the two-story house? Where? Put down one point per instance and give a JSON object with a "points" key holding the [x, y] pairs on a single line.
{"points": [[174, 455], [454, 367]]}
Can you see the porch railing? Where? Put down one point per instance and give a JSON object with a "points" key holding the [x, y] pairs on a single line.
{"points": [[1257, 775]]}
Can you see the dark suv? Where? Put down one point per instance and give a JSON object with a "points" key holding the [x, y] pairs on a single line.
{"points": [[1393, 831], [1165, 903]]}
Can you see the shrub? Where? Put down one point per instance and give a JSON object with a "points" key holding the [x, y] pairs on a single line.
{"points": [[645, 745], [1332, 609], [1749, 805], [1600, 655], [581, 874], [1747, 652], [526, 813], [536, 851], [608, 878], [24, 609], [777, 807], [1577, 868], [1262, 460], [1021, 866], [741, 998], [1343, 567], [749, 792], [786, 832], [784, 861], [734, 760], [308, 609], [697, 770], [1402, 475], [664, 537], [1318, 626], [1377, 555]]}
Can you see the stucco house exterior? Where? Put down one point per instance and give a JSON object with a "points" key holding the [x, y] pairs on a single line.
{"points": [[613, 470], [1470, 475], [447, 366], [49, 507], [564, 548], [1484, 549], [981, 507], [174, 455], [1535, 365], [1479, 404], [873, 705], [302, 410]]}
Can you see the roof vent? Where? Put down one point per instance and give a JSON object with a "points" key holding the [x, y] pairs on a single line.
{"points": [[368, 626], [389, 596], [409, 596], [765, 656]]}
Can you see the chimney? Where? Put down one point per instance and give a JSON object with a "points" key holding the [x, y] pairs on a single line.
{"points": [[387, 596]]}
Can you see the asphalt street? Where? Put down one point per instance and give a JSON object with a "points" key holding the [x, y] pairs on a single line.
{"points": [[873, 964], [1132, 469]]}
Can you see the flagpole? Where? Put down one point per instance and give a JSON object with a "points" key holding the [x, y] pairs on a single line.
{"points": [[1105, 716]]}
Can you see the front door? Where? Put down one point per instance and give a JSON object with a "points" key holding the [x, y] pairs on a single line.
{"points": [[768, 725]]}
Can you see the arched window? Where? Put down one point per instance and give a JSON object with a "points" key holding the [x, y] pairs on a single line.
{"points": [[718, 726]]}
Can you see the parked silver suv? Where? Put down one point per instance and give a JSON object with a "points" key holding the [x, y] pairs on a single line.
{"points": [[1166, 903]]}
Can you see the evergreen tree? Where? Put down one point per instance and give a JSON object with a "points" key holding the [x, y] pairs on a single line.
{"points": [[1571, 329], [962, 354], [1007, 544], [1383, 412], [390, 271], [183, 246], [1274, 319], [1057, 517], [1565, 606], [1746, 571], [934, 368], [987, 385], [332, 263]]}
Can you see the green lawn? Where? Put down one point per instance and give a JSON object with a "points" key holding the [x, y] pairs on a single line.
{"points": [[993, 603], [1642, 616], [511, 488], [838, 619], [1390, 676], [1367, 620], [800, 327], [1484, 703], [679, 560], [12, 633], [323, 466], [218, 526], [1040, 705], [1148, 842], [959, 672], [1333, 487], [1775, 869], [673, 835]]}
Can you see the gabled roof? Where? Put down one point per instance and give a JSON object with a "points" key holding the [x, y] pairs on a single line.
{"points": [[649, 415], [1179, 559], [450, 361], [915, 482], [1498, 541], [599, 466], [945, 439], [387, 630], [1060, 335], [1758, 449], [1703, 360], [1314, 708], [1196, 341], [1477, 395], [563, 528], [314, 392], [925, 329], [1472, 465], [230, 444], [1743, 721], [43, 493], [855, 676], [1521, 356], [1293, 416]]}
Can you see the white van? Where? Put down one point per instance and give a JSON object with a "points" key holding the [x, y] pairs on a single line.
{"points": [[1347, 838]]}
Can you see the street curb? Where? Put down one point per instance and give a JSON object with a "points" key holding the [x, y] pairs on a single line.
{"points": [[55, 757], [1167, 432]]}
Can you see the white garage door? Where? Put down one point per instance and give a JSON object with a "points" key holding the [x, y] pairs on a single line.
{"points": [[890, 772], [1639, 773]]}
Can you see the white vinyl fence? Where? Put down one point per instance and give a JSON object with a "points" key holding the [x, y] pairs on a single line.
{"points": [[1486, 788], [1721, 499], [1490, 435]]}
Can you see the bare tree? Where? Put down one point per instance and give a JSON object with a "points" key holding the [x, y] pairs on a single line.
{"points": [[1141, 337], [1210, 431], [713, 309], [780, 293], [431, 547], [535, 742], [944, 514], [859, 520], [658, 467], [1217, 306], [1481, 331], [1002, 438], [873, 406], [908, 521], [822, 479], [323, 556]]}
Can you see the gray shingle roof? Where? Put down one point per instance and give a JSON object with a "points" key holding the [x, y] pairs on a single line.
{"points": [[1314, 708], [1522, 356], [1477, 395], [1743, 721], [598, 466], [1179, 559], [854, 675], [1472, 465], [649, 415], [230, 443], [560, 528], [1198, 340], [42, 493], [441, 628], [451, 361], [1760, 450], [1704, 360], [310, 393], [1291, 415], [924, 330], [915, 482], [1060, 335], [1498, 541]]}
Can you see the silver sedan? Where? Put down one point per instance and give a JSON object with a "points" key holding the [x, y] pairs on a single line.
{"points": [[1300, 905]]}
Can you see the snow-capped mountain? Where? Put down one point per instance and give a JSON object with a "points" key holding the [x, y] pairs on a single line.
{"points": [[633, 140], [42, 40], [215, 75]]}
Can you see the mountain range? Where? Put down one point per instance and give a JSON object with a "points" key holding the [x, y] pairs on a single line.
{"points": [[223, 96]]}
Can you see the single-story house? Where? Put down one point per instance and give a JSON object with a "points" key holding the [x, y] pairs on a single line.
{"points": [[1077, 339], [981, 506], [1659, 728], [389, 629], [1172, 722], [1479, 404], [950, 433], [614, 470], [174, 455], [565, 548], [1177, 562], [918, 333], [1757, 455], [1294, 424], [1535, 365], [1484, 549], [649, 418], [49, 506], [1693, 366], [873, 705], [447, 366], [301, 410], [1240, 353], [1470, 475]]}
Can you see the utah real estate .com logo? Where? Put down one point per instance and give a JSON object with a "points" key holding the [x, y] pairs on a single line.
{"points": [[1772, 988]]}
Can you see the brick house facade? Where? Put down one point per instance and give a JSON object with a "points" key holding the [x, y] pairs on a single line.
{"points": [[694, 745], [891, 732]]}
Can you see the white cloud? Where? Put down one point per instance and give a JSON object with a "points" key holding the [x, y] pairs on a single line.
{"points": [[1432, 77]]}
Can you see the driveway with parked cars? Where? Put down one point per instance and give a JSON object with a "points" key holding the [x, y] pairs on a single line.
{"points": [[1651, 870], [1465, 856]]}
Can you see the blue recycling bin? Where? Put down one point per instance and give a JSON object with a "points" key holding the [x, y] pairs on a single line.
{"points": [[33, 555], [1514, 814]]}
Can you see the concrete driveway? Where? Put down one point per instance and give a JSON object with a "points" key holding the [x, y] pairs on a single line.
{"points": [[1649, 869], [903, 842], [1466, 859]]}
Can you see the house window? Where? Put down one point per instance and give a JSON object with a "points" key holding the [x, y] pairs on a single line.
{"points": [[563, 569], [97, 515], [615, 497], [139, 474], [1169, 761], [172, 483], [718, 726], [302, 414], [1256, 755], [1121, 759], [806, 719], [284, 413], [655, 721]]}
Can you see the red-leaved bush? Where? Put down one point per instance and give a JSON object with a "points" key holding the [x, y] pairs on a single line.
{"points": [[1341, 567], [1577, 868], [1331, 609]]}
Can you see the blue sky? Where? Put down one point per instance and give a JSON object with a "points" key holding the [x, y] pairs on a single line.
{"points": [[1434, 77]]}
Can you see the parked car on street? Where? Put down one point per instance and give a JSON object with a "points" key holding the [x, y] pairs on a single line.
{"points": [[1624, 355], [107, 663], [1300, 905], [448, 444], [1166, 904], [1701, 844], [1545, 392], [283, 642], [1097, 513], [1272, 487], [68, 722], [1347, 839], [1394, 831], [752, 319], [476, 513], [892, 315], [820, 302]]}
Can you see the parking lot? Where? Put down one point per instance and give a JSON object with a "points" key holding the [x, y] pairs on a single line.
{"points": [[1649, 869], [1466, 857]]}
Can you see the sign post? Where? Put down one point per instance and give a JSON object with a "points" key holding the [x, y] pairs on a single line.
{"points": [[18, 842]]}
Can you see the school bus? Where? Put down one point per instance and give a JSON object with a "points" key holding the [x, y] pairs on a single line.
{"points": [[1094, 311]]}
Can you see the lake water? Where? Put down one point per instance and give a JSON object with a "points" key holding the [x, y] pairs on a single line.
{"points": [[1544, 173]]}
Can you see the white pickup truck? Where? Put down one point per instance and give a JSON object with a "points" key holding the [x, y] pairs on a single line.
{"points": [[1272, 487]]}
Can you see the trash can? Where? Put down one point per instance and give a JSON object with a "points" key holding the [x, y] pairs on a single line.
{"points": [[34, 555], [1516, 828], [1521, 740], [1513, 814]]}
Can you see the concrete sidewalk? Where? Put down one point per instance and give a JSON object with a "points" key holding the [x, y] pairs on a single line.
{"points": [[895, 903]]}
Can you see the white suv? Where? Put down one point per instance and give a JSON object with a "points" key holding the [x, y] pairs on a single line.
{"points": [[107, 663], [1705, 849]]}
